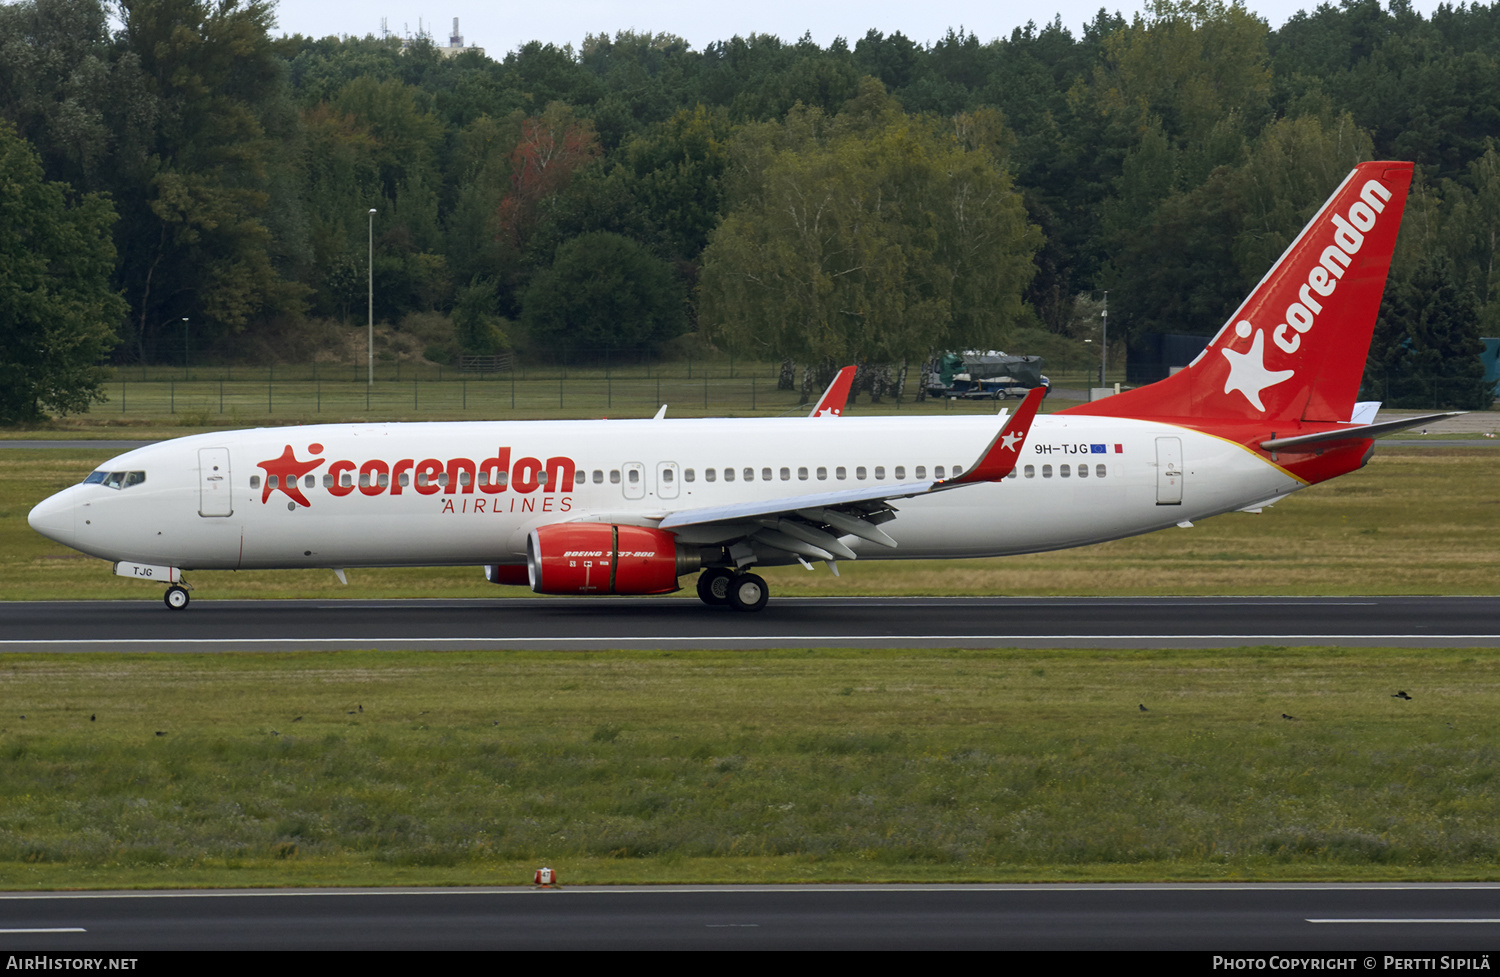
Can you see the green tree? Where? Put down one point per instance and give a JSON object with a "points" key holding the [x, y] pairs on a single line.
{"points": [[551, 74], [872, 236], [1188, 64], [320, 68], [552, 148], [57, 309], [376, 145], [194, 182], [1184, 266], [405, 133], [341, 182], [676, 171], [1471, 235], [479, 172], [648, 78], [1426, 347], [479, 329], [59, 85], [604, 292]]}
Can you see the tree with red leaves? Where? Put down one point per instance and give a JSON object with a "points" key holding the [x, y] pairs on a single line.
{"points": [[552, 147]]}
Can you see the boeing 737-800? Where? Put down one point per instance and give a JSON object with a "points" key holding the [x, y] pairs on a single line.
{"points": [[632, 506]]}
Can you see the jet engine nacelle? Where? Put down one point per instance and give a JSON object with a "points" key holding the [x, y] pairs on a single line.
{"points": [[511, 574], [599, 558]]}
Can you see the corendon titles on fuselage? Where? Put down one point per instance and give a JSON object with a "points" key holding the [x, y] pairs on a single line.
{"points": [[429, 476]]}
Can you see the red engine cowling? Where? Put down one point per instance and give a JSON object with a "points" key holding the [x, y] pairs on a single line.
{"points": [[598, 558]]}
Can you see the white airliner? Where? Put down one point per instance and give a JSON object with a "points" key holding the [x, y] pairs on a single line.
{"points": [[631, 506]]}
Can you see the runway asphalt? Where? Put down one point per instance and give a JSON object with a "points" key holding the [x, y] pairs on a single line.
{"points": [[1366, 921], [605, 623]]}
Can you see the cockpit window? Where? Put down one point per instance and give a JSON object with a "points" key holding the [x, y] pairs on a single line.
{"points": [[115, 480]]}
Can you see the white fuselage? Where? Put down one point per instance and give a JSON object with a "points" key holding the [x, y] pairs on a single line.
{"points": [[206, 503]]}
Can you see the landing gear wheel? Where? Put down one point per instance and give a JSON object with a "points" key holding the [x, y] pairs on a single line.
{"points": [[713, 586], [176, 597], [747, 592]]}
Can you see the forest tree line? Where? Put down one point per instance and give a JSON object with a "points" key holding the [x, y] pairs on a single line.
{"points": [[869, 201]]}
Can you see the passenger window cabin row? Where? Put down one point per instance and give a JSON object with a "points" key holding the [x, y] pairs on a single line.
{"points": [[783, 473], [840, 473], [1063, 471]]}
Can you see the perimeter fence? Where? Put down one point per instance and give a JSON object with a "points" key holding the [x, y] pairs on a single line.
{"points": [[207, 394], [450, 396], [403, 390]]}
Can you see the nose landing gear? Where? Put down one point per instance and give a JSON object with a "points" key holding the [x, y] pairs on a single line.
{"points": [[176, 596]]}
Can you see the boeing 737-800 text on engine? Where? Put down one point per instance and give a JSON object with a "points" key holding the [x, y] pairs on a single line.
{"points": [[630, 507]]}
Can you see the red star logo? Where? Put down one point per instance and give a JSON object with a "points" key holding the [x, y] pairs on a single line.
{"points": [[290, 470]]}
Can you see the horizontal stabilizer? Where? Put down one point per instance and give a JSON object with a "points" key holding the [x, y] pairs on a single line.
{"points": [[1357, 433]]}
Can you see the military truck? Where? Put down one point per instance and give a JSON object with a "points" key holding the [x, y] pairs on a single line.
{"points": [[981, 375]]}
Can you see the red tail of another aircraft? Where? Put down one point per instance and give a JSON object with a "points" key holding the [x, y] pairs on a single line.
{"points": [[1294, 351]]}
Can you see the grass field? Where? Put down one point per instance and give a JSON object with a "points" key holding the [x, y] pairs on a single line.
{"points": [[404, 768]]}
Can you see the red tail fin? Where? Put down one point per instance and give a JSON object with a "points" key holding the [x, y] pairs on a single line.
{"points": [[833, 399], [1295, 349]]}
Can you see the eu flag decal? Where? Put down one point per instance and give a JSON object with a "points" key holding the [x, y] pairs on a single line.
{"points": [[1096, 449]]}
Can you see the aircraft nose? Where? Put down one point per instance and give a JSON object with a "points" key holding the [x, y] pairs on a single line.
{"points": [[53, 518]]}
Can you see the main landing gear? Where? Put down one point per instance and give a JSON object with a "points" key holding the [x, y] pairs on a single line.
{"points": [[742, 591], [176, 597]]}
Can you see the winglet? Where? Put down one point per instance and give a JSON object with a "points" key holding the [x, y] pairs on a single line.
{"points": [[836, 396], [999, 459]]}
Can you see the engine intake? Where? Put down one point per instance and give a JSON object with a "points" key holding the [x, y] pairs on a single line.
{"points": [[600, 558]]}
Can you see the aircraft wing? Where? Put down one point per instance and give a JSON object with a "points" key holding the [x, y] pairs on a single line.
{"points": [[809, 526]]}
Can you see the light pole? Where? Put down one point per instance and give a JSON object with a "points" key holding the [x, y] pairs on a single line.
{"points": [[1104, 341], [371, 360], [184, 347]]}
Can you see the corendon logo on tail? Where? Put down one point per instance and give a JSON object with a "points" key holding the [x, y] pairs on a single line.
{"points": [[429, 476], [1248, 372]]}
